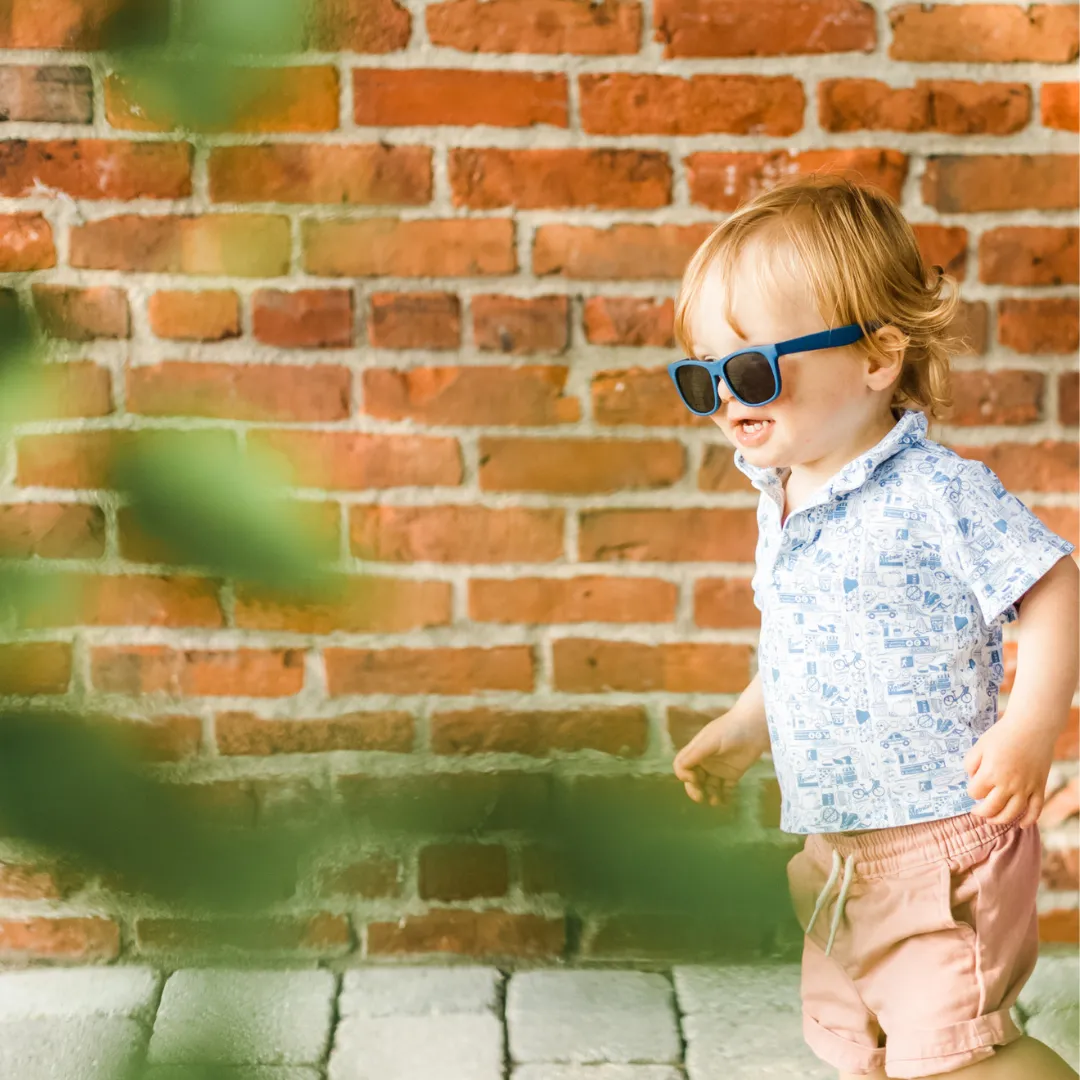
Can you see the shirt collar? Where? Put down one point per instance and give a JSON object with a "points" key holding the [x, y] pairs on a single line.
{"points": [[908, 430]]}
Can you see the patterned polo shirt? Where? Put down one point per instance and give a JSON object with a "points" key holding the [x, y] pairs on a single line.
{"points": [[883, 601]]}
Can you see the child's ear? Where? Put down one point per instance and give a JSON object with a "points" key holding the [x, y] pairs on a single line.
{"points": [[884, 363]]}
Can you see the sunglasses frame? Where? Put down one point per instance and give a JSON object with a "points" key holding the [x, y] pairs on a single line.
{"points": [[823, 339]]}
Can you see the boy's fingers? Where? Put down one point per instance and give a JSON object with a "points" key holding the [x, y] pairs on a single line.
{"points": [[1010, 811], [1031, 814], [992, 805], [979, 788], [694, 792]]}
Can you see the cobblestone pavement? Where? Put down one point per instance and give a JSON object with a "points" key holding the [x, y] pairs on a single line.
{"points": [[439, 1023]]}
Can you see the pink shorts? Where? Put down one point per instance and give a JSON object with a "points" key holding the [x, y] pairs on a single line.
{"points": [[936, 937]]}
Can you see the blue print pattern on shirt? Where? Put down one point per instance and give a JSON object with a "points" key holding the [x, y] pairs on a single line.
{"points": [[882, 607]]}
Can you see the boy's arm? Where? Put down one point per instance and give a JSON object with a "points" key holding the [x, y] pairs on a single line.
{"points": [[1009, 764]]}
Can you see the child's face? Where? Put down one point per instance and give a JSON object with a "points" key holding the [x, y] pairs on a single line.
{"points": [[825, 402]]}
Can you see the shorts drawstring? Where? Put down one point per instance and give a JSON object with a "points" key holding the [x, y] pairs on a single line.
{"points": [[823, 897]]}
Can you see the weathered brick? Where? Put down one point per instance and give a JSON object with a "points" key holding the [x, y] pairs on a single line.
{"points": [[314, 173], [363, 26], [598, 598], [469, 933], [723, 181], [590, 27], [386, 97], [694, 535], [584, 666], [96, 168], [945, 246], [621, 251], [619, 730], [163, 738], [1044, 466], [640, 396], [428, 671], [77, 314], [35, 667], [1060, 106], [131, 669], [1039, 324], [725, 602], [780, 28], [531, 396], [344, 460], [68, 389], [463, 871], [1061, 804], [983, 33], [970, 183], [1069, 398], [538, 178], [950, 106], [1067, 747], [75, 24], [240, 733], [73, 939], [37, 881], [51, 530], [683, 724], [455, 534], [239, 391], [970, 327], [388, 247], [426, 320], [1030, 255], [629, 320], [520, 326], [719, 472], [996, 397], [26, 243], [321, 934], [1060, 926], [182, 315], [1061, 869], [234, 245], [372, 878], [51, 94], [303, 318], [619, 103]]}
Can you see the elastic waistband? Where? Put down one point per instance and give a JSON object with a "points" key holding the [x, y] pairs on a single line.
{"points": [[884, 851]]}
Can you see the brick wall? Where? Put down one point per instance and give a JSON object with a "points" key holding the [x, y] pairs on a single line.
{"points": [[434, 270]]}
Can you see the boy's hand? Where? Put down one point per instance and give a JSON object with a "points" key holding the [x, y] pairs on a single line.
{"points": [[712, 762], [1008, 768]]}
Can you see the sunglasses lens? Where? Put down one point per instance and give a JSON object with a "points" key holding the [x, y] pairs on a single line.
{"points": [[751, 378], [698, 388]]}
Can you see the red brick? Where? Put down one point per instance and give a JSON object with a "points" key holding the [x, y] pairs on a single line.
{"points": [[230, 245], [629, 320], [590, 27], [146, 669], [314, 173], [75, 314], [539, 178], [52, 94], [37, 667], [362, 605], [70, 939], [1030, 255], [683, 724], [96, 168], [950, 106], [469, 933], [530, 396], [26, 243], [463, 871], [1067, 747], [693, 535], [639, 396], [321, 934], [1039, 325], [969, 183], [970, 327], [373, 878], [1061, 869], [621, 251], [1044, 466], [345, 460], [510, 324], [303, 319], [52, 530], [455, 534], [723, 181], [983, 33], [1060, 927], [195, 316], [363, 26], [587, 667], [945, 246], [73, 24], [619, 103], [1060, 106], [619, 730], [387, 247], [425, 97], [67, 389], [578, 466], [1064, 520], [726, 603], [263, 101], [428, 671], [36, 881], [428, 320], [1069, 399], [1061, 805], [239, 391], [746, 28], [596, 598], [246, 734], [719, 473], [996, 397], [163, 738]]}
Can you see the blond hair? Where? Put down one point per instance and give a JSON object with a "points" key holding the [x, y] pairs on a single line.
{"points": [[863, 264]]}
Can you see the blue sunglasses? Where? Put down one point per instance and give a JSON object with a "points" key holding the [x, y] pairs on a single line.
{"points": [[751, 375]]}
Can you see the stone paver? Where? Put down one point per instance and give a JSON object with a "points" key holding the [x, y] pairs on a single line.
{"points": [[112, 991], [239, 1072], [70, 1048], [419, 991], [244, 1017], [597, 1072], [1054, 984], [592, 1016], [1060, 1030]]}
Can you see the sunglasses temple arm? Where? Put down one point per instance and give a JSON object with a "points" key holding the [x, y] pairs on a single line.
{"points": [[825, 339]]}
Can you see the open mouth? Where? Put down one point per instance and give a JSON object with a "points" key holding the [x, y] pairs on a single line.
{"points": [[752, 432]]}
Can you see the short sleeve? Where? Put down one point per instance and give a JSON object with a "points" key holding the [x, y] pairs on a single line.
{"points": [[997, 545]]}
